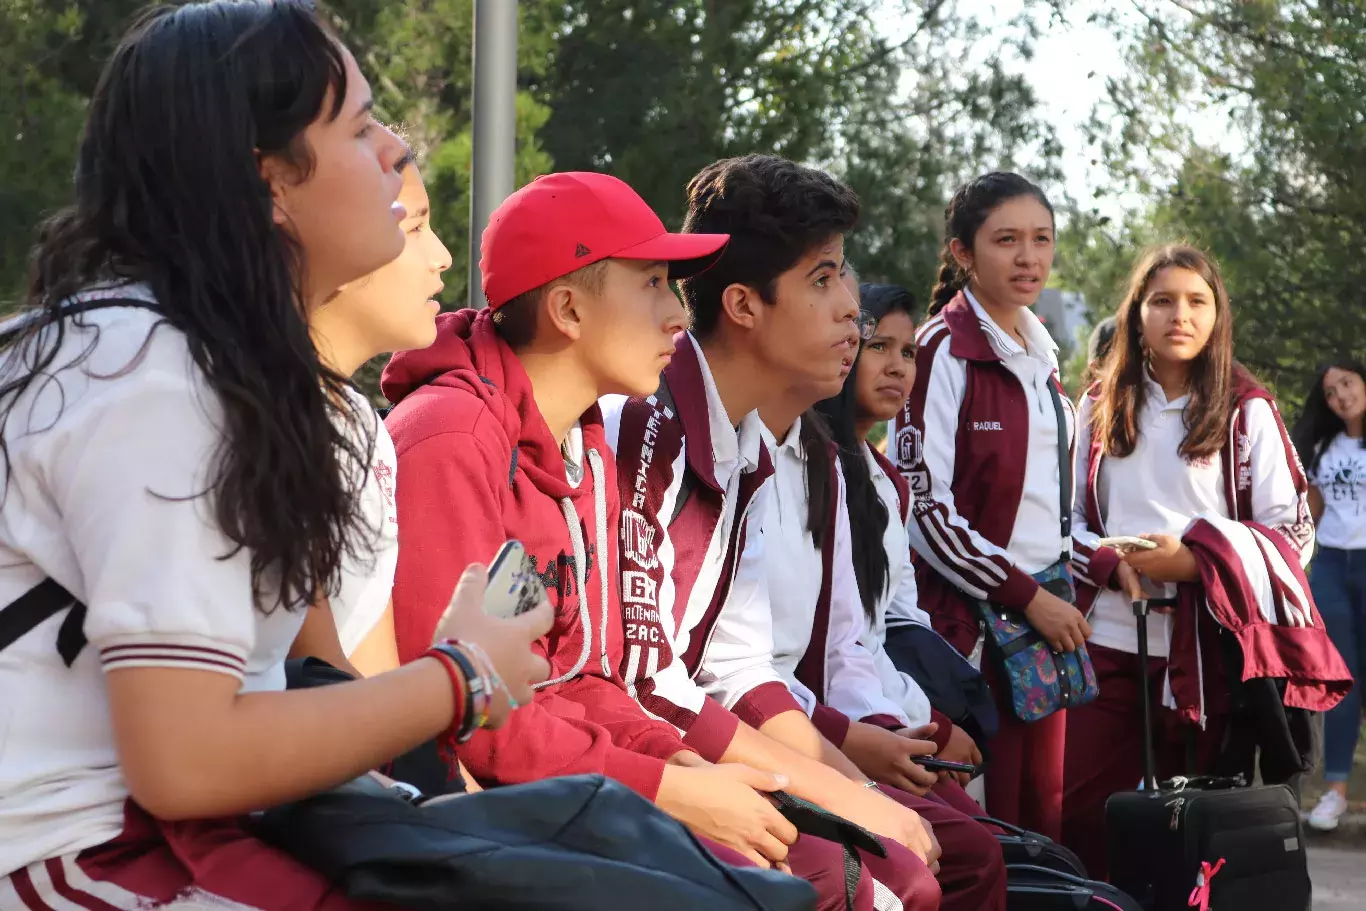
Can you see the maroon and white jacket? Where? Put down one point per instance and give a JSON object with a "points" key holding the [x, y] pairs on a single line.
{"points": [[1251, 556], [977, 443], [681, 567]]}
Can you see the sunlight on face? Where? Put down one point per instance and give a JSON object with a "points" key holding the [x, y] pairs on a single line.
{"points": [[1177, 315], [1012, 253], [1345, 393], [809, 332]]}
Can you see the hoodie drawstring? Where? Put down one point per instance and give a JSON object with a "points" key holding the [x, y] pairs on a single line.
{"points": [[604, 564], [571, 521]]}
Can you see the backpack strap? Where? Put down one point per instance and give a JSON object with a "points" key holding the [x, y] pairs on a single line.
{"points": [[48, 598], [664, 395], [11, 328]]}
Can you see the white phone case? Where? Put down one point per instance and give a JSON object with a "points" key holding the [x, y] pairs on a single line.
{"points": [[514, 586]]}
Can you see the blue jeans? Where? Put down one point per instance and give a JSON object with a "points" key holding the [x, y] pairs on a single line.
{"points": [[1338, 580]]}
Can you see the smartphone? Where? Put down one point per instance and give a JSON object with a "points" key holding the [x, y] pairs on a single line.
{"points": [[1126, 544], [514, 585], [944, 765]]}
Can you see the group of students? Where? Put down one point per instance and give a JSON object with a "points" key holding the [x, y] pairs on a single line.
{"points": [[189, 469], [1174, 442]]}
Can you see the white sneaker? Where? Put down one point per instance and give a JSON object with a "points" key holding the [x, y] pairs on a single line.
{"points": [[1328, 811]]}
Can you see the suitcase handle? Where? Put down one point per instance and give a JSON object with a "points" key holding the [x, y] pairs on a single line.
{"points": [[1144, 699]]}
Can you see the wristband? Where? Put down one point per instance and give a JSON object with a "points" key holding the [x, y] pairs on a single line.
{"points": [[476, 713]]}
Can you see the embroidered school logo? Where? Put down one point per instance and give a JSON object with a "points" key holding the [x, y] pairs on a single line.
{"points": [[987, 425], [384, 479], [1244, 450], [639, 588], [658, 414], [638, 540], [908, 447]]}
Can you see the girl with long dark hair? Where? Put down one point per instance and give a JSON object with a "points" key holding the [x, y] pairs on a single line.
{"points": [[878, 503], [184, 461], [982, 443], [1329, 438], [1180, 445]]}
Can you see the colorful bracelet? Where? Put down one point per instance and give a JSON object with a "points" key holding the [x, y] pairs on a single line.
{"points": [[490, 672], [476, 713]]}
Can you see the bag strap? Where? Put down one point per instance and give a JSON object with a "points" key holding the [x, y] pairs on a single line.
{"points": [[12, 327], [813, 820], [48, 598], [1064, 473]]}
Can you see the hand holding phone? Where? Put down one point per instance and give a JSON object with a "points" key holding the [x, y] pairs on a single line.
{"points": [[508, 643], [944, 765], [514, 586]]}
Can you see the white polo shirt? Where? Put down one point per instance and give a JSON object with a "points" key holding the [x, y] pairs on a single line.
{"points": [[368, 577], [793, 566], [108, 459]]}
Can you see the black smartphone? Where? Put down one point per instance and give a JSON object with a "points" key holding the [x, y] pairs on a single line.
{"points": [[514, 586], [943, 765]]}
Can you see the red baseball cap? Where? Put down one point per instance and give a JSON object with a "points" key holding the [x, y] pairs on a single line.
{"points": [[562, 222]]}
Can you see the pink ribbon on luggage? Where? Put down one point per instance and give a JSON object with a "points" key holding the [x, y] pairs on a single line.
{"points": [[1200, 894]]}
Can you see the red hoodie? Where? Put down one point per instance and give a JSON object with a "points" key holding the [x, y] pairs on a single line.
{"points": [[478, 465]]}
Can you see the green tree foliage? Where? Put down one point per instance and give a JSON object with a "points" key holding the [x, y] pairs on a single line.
{"points": [[50, 55], [1284, 215], [650, 90]]}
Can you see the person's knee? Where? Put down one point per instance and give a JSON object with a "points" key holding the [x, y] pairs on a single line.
{"points": [[901, 875], [914, 889]]}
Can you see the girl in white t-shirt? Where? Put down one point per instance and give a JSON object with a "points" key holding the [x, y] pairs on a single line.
{"points": [[1329, 438], [354, 629], [183, 464]]}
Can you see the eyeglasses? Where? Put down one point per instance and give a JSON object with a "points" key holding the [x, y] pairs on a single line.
{"points": [[867, 324]]}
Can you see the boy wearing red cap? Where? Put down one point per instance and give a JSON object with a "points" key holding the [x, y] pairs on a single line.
{"points": [[498, 436]]}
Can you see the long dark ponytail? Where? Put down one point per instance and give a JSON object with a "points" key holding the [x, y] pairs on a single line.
{"points": [[868, 514], [967, 211], [169, 193]]}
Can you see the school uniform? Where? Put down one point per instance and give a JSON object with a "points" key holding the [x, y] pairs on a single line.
{"points": [[108, 462], [1244, 514], [693, 489], [978, 444], [818, 625]]}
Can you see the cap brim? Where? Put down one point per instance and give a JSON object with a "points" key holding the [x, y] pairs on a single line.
{"points": [[686, 254]]}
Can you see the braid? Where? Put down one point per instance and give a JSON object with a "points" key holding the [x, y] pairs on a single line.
{"points": [[964, 216], [950, 282]]}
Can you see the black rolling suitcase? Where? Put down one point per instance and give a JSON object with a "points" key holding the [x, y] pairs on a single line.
{"points": [[1030, 888], [1245, 845]]}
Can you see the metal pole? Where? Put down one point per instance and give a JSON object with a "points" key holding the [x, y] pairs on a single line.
{"points": [[495, 121]]}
